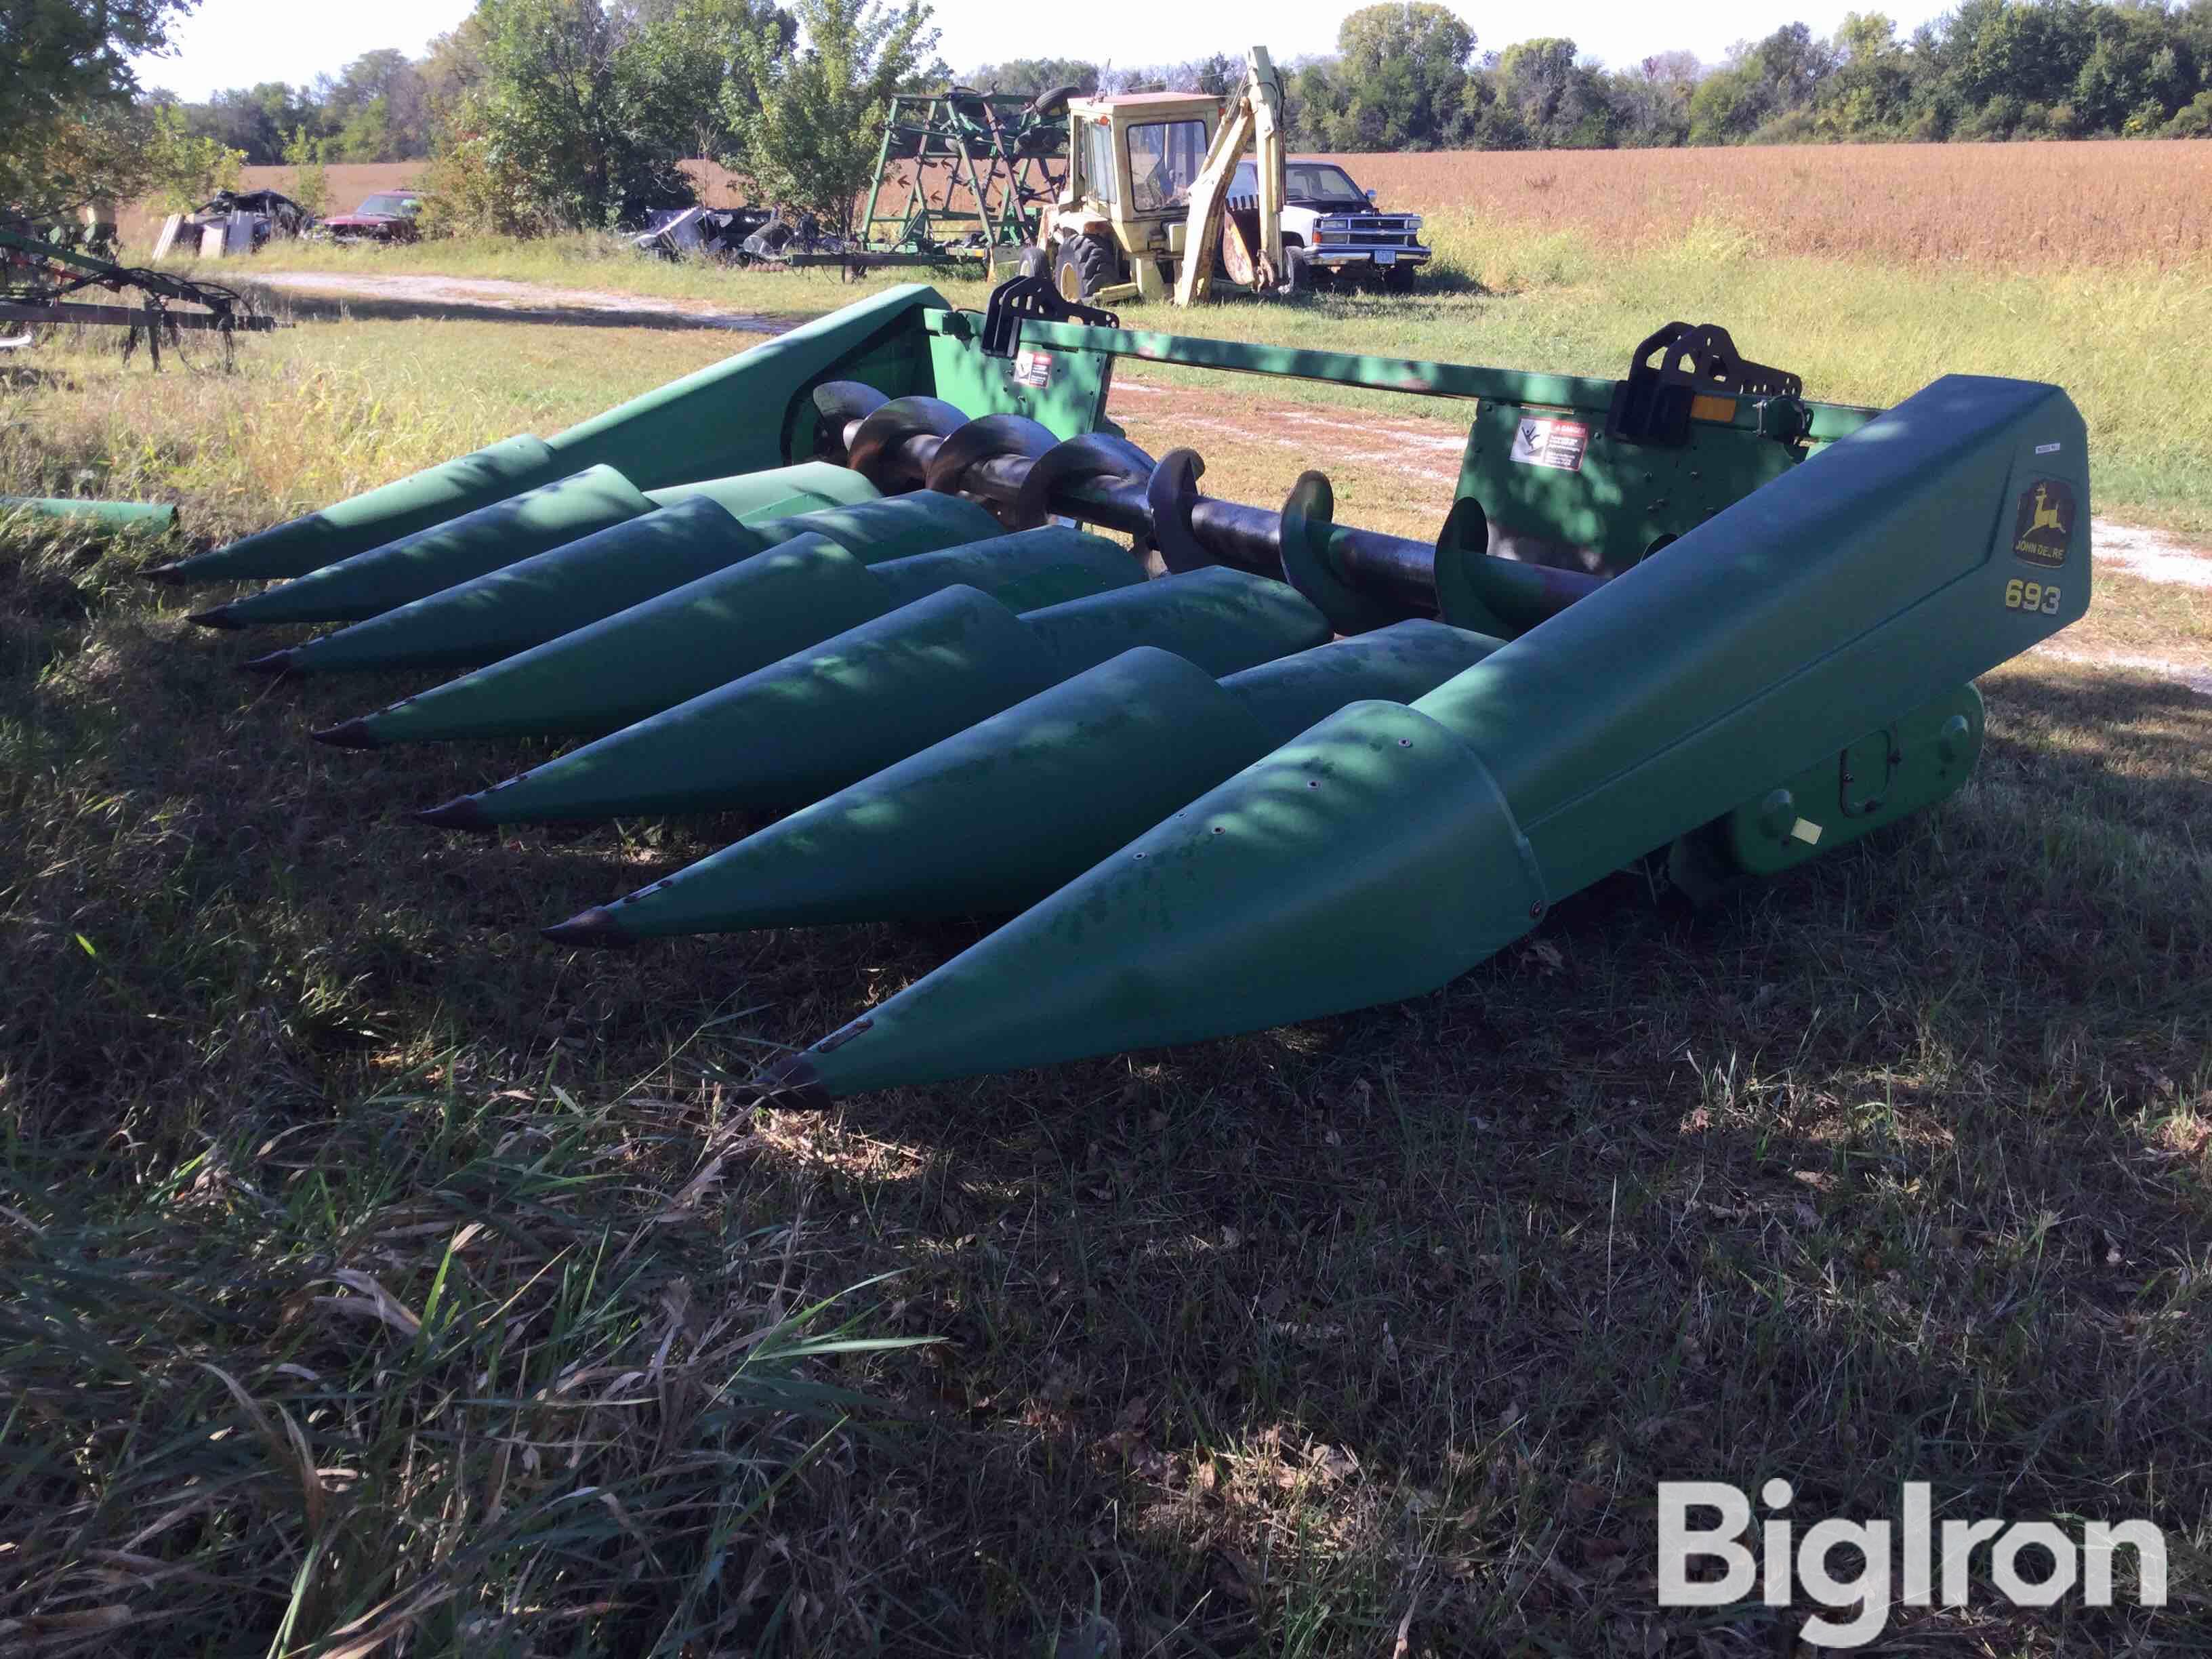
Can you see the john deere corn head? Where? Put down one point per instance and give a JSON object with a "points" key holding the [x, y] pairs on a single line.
{"points": [[1249, 765]]}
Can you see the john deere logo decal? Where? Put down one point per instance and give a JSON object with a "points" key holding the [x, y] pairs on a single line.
{"points": [[2043, 528]]}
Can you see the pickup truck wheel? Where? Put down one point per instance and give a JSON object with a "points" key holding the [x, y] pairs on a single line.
{"points": [[1086, 264]]}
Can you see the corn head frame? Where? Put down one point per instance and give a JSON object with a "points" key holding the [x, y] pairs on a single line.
{"points": [[1229, 765]]}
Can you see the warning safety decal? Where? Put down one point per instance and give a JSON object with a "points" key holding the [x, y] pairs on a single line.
{"points": [[1544, 440]]}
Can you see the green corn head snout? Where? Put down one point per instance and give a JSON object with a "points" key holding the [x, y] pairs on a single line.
{"points": [[490, 539], [790, 733], [613, 672], [1390, 848], [737, 416], [555, 592], [997, 816]]}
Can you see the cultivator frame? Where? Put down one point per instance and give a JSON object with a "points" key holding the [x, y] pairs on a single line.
{"points": [[1009, 158], [39, 280], [1257, 767]]}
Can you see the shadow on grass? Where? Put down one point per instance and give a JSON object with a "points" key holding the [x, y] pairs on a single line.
{"points": [[1889, 1170], [305, 305]]}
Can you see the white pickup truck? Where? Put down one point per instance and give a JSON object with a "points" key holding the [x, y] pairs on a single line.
{"points": [[1336, 225]]}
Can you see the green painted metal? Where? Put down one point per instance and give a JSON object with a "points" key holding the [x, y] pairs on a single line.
{"points": [[994, 146], [1419, 377], [151, 516], [1906, 767], [486, 539], [1064, 391], [778, 493], [1620, 499], [1389, 848], [665, 650], [540, 599], [793, 732], [746, 414], [997, 816], [418, 502]]}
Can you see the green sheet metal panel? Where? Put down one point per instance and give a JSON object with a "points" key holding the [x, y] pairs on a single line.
{"points": [[828, 716], [1552, 473], [1887, 775], [1064, 389], [997, 816], [747, 412], [665, 650], [536, 600], [456, 551], [777, 493]]}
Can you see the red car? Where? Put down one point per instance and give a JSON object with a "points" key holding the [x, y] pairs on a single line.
{"points": [[387, 216]]}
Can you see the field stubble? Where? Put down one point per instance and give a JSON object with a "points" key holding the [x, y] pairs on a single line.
{"points": [[370, 1265]]}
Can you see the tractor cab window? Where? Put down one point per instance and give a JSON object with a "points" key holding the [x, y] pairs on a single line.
{"points": [[1100, 176], [1165, 157]]}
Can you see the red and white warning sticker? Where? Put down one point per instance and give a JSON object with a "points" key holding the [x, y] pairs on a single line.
{"points": [[1547, 441], [1033, 368]]}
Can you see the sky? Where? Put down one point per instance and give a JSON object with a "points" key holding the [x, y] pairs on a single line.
{"points": [[233, 43]]}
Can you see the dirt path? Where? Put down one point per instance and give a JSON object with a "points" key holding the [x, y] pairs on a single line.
{"points": [[466, 296]]}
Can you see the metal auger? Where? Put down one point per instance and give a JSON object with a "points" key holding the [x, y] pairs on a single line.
{"points": [[1359, 578]]}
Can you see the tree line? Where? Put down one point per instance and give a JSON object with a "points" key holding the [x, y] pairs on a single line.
{"points": [[1413, 77]]}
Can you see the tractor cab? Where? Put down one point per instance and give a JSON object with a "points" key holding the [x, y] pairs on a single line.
{"points": [[1120, 226]]}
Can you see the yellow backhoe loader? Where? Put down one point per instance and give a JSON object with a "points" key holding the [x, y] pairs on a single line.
{"points": [[1148, 213]]}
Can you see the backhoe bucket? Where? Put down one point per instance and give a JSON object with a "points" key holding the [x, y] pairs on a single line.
{"points": [[1390, 848]]}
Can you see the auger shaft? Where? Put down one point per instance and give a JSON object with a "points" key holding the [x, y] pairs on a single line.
{"points": [[1361, 579]]}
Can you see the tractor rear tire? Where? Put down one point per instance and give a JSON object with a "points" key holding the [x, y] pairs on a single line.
{"points": [[1032, 261], [1086, 264]]}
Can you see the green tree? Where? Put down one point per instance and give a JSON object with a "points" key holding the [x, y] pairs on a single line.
{"points": [[1560, 101], [1868, 92], [805, 124], [579, 114], [1651, 101], [1034, 74], [379, 106], [65, 90], [185, 167], [1400, 81], [308, 157]]}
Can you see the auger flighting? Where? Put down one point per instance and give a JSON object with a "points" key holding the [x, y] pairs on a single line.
{"points": [[1305, 767]]}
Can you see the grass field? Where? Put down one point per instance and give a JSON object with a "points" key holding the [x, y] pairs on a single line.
{"points": [[374, 1276]]}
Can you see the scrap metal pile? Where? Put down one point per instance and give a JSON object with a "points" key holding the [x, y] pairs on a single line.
{"points": [[232, 223], [1253, 766]]}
